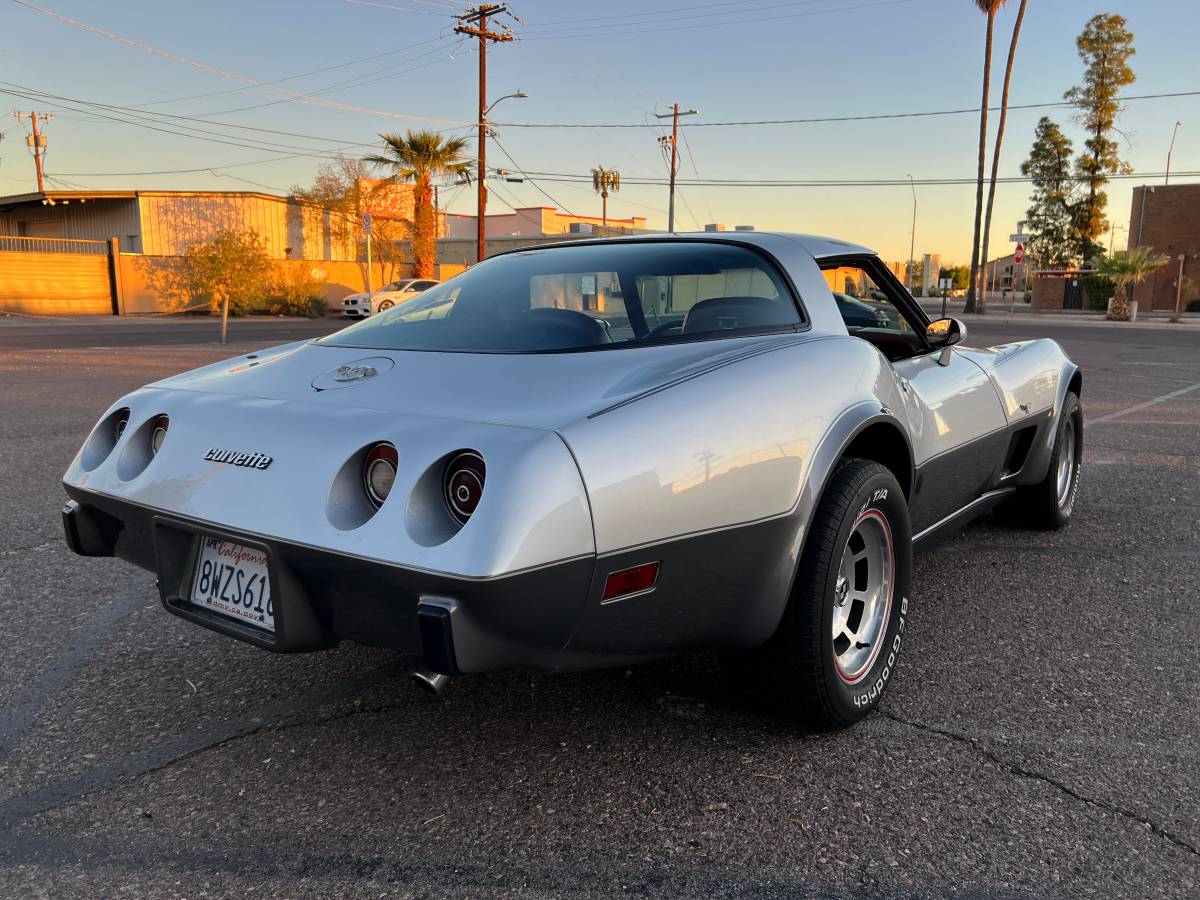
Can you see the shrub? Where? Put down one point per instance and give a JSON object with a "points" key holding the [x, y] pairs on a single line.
{"points": [[295, 290], [1194, 305], [1099, 289], [233, 266]]}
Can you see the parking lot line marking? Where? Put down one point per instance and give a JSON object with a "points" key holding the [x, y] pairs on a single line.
{"points": [[1143, 405]]}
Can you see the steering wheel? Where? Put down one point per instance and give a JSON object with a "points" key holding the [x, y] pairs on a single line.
{"points": [[664, 329]]}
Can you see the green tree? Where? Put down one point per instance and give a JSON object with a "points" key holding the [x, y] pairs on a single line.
{"points": [[989, 8], [345, 191], [232, 272], [417, 158], [1008, 70], [1125, 269], [1104, 45], [1053, 240], [960, 276]]}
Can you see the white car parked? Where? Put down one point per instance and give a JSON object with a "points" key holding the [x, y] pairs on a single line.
{"points": [[359, 306]]}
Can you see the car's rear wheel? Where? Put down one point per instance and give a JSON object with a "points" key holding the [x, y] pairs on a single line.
{"points": [[1049, 503], [835, 649]]}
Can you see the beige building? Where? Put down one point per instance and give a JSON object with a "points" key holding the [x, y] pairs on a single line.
{"points": [[533, 221], [164, 223]]}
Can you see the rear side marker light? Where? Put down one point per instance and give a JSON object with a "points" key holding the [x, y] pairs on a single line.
{"points": [[379, 473], [158, 433], [628, 582]]}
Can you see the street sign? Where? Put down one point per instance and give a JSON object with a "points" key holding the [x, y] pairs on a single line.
{"points": [[366, 223], [1019, 254], [945, 284], [1017, 238]]}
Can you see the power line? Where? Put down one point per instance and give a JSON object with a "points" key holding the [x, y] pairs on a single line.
{"points": [[295, 95], [217, 137], [655, 12], [691, 16], [536, 186], [872, 117], [721, 24], [571, 178], [138, 111], [343, 65], [443, 10]]}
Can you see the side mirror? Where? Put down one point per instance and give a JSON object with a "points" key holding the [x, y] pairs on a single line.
{"points": [[945, 333]]}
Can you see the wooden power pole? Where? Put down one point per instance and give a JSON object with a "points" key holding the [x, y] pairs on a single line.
{"points": [[37, 142], [674, 149], [474, 24]]}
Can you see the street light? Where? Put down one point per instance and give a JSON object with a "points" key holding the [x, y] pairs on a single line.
{"points": [[481, 195], [1170, 150], [518, 95]]}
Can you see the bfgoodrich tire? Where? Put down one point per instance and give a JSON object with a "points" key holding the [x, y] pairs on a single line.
{"points": [[837, 645], [1049, 503]]}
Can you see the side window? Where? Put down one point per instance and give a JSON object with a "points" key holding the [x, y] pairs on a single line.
{"points": [[869, 314]]}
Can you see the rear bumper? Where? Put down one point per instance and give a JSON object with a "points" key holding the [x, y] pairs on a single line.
{"points": [[455, 625]]}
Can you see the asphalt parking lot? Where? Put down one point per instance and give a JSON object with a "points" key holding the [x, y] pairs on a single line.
{"points": [[1039, 738]]}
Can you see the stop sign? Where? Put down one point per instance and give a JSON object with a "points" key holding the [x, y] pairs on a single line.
{"points": [[1019, 254]]}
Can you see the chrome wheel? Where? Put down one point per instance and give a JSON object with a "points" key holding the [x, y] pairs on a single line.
{"points": [[1066, 463], [862, 598]]}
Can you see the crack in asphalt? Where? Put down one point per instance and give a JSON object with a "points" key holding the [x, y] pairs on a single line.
{"points": [[62, 671], [1034, 775], [45, 545], [286, 714]]}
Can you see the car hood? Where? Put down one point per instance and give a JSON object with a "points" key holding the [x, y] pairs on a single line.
{"points": [[541, 390]]}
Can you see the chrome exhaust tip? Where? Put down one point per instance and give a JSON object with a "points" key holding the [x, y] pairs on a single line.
{"points": [[431, 682]]}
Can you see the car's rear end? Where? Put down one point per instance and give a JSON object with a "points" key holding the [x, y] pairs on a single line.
{"points": [[410, 482]]}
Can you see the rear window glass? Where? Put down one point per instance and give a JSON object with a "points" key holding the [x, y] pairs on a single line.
{"points": [[587, 297]]}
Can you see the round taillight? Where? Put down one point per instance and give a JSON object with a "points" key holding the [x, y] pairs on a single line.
{"points": [[120, 423], [465, 475], [379, 473], [158, 433]]}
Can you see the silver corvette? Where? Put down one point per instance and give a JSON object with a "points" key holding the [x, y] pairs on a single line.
{"points": [[592, 454]]}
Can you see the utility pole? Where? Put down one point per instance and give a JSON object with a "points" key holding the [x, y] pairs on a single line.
{"points": [[912, 243], [474, 24], [604, 180], [674, 115], [37, 142], [1170, 150]]}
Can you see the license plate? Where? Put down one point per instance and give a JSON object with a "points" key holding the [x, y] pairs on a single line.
{"points": [[233, 580]]}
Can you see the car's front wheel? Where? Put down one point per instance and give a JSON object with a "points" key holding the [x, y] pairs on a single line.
{"points": [[835, 649], [386, 305]]}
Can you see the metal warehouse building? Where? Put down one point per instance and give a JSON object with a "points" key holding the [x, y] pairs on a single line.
{"points": [[164, 223]]}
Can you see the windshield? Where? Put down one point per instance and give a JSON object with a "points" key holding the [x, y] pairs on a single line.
{"points": [[587, 296]]}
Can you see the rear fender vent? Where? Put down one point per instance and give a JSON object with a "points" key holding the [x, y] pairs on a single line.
{"points": [[1018, 449]]}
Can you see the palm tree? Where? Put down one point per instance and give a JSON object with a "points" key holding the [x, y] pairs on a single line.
{"points": [[1126, 268], [990, 7], [1008, 70], [417, 158]]}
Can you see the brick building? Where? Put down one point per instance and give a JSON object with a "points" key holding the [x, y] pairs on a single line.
{"points": [[1166, 220]]}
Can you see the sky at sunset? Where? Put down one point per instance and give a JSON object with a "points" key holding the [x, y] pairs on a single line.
{"points": [[395, 64]]}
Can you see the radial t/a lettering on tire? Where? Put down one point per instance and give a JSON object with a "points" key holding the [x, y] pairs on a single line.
{"points": [[836, 649]]}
